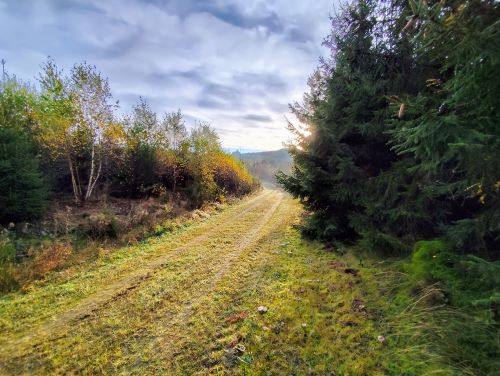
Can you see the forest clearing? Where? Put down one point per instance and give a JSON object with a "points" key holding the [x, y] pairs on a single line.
{"points": [[180, 209]]}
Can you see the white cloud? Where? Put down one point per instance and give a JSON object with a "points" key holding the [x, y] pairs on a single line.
{"points": [[216, 60]]}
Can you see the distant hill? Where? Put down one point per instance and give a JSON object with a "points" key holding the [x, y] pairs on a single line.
{"points": [[266, 164]]}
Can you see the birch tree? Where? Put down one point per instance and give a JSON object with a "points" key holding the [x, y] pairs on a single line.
{"points": [[173, 132], [76, 114], [91, 97]]}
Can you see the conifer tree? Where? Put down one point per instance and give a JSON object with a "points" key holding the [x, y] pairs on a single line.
{"points": [[23, 191], [337, 164], [402, 135]]}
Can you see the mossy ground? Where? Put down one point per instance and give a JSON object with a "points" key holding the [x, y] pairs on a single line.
{"points": [[186, 304]]}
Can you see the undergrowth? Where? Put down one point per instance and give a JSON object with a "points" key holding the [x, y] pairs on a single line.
{"points": [[441, 312], [31, 256]]}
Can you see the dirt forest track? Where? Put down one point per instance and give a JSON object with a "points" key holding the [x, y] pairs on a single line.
{"points": [[175, 305], [249, 218]]}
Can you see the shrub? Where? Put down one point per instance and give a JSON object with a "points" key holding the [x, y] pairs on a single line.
{"points": [[7, 250], [479, 273], [470, 281], [216, 175], [8, 281], [383, 243], [102, 225], [431, 261], [50, 259]]}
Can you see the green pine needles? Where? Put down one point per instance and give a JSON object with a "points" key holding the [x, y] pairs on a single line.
{"points": [[402, 133]]}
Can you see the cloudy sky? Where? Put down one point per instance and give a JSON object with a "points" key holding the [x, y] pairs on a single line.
{"points": [[234, 63]]}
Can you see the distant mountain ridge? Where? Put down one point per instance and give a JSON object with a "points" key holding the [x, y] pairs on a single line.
{"points": [[266, 164]]}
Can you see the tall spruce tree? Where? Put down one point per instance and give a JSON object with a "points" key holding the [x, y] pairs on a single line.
{"points": [[337, 162]]}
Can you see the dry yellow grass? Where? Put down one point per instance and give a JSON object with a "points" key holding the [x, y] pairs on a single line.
{"points": [[187, 303]]}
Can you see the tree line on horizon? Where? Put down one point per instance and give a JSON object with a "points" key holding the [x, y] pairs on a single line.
{"points": [[63, 138], [264, 165]]}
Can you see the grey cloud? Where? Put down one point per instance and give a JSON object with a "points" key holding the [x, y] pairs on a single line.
{"points": [[122, 45], [211, 103], [231, 14], [261, 80], [223, 92], [258, 118], [228, 12]]}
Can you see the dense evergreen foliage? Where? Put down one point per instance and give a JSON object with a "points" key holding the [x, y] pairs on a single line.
{"points": [[23, 191], [401, 140]]}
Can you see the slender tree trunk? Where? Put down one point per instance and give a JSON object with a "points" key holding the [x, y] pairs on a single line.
{"points": [[78, 183], [175, 178], [91, 175], [93, 180], [89, 192], [73, 179]]}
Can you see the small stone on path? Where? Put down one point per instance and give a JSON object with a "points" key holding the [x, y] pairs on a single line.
{"points": [[262, 309]]}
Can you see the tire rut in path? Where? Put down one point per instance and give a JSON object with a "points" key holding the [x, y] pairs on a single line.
{"points": [[252, 237]]}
